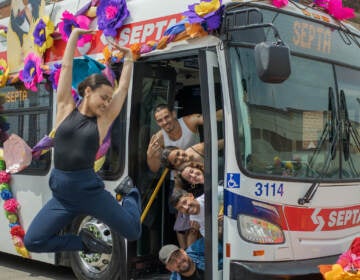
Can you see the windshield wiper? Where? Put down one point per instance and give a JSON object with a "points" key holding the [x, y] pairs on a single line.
{"points": [[347, 130], [330, 131]]}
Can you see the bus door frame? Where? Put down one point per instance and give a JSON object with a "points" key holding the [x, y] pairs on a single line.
{"points": [[208, 62]]}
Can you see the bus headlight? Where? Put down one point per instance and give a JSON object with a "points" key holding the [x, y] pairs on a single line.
{"points": [[257, 230]]}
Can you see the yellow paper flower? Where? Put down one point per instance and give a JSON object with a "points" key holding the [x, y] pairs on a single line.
{"points": [[4, 72], [338, 273], [22, 251], [204, 8], [42, 34]]}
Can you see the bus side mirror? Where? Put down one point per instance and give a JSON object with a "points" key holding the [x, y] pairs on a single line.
{"points": [[272, 62]]}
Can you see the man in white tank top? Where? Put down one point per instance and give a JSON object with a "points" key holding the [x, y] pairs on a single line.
{"points": [[181, 133]]}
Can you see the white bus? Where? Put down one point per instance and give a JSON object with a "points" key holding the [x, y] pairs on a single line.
{"points": [[291, 163]]}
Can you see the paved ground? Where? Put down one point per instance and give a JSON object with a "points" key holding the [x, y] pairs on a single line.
{"points": [[17, 268]]}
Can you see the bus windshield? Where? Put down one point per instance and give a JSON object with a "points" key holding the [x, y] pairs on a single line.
{"points": [[297, 128]]}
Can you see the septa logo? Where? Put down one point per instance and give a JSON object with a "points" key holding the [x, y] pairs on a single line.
{"points": [[317, 220], [322, 219]]}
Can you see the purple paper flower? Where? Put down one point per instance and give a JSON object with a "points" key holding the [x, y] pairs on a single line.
{"points": [[111, 15], [206, 12], [39, 34], [54, 75], [69, 21], [42, 34], [31, 75]]}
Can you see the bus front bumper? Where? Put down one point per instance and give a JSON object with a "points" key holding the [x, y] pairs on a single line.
{"points": [[300, 269]]}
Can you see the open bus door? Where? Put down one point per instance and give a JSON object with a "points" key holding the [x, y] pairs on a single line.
{"points": [[211, 98], [153, 84]]}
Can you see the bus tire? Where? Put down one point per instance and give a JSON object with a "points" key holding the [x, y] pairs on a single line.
{"points": [[99, 266]]}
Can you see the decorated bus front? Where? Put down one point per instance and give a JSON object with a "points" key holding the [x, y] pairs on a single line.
{"points": [[292, 193]]}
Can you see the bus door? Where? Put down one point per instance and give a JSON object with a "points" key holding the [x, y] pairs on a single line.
{"points": [[211, 98], [153, 84]]}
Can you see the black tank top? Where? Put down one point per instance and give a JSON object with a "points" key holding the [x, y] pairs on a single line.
{"points": [[76, 142]]}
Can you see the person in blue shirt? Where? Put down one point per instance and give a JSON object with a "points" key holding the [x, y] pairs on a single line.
{"points": [[184, 264]]}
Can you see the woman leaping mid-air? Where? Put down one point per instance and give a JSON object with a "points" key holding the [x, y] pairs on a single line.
{"points": [[75, 186]]}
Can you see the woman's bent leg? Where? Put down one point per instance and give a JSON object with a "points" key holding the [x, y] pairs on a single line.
{"points": [[123, 218], [42, 235]]}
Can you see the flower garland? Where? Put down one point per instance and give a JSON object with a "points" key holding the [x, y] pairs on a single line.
{"points": [[11, 206], [333, 7]]}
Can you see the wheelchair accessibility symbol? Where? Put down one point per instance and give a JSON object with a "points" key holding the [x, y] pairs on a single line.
{"points": [[233, 180]]}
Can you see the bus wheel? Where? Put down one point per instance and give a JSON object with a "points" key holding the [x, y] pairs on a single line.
{"points": [[95, 265]]}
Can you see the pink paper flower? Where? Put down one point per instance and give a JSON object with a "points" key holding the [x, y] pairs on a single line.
{"points": [[54, 75], [4, 177], [280, 3], [336, 9], [17, 241], [69, 21], [32, 74], [11, 205]]}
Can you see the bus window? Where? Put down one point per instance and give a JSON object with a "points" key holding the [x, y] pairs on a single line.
{"points": [[29, 115], [291, 144]]}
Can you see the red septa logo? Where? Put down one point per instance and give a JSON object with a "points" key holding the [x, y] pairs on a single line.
{"points": [[322, 219]]}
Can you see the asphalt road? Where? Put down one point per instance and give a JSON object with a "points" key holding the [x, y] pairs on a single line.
{"points": [[17, 268]]}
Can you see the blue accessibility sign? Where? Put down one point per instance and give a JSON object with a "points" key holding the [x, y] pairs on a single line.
{"points": [[233, 180]]}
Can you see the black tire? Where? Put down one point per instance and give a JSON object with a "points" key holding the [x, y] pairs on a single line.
{"points": [[112, 267]]}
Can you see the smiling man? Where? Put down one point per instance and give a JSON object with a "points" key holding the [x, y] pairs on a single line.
{"points": [[186, 264], [181, 133]]}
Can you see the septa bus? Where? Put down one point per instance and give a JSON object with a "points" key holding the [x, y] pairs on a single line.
{"points": [[288, 83]]}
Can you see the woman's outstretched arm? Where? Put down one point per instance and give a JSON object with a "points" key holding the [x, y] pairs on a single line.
{"points": [[121, 92], [65, 101]]}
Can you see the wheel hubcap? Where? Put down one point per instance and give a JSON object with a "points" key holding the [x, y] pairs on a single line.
{"points": [[96, 262]]}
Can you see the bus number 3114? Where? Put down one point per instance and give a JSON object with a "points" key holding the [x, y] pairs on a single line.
{"points": [[268, 189]]}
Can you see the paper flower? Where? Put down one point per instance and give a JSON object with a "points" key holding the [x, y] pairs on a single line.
{"points": [[4, 72], [42, 34], [207, 12], [280, 3], [23, 251], [12, 217], [69, 21], [17, 231], [11, 205], [335, 8], [111, 15], [3, 30], [54, 75], [135, 49], [4, 186], [355, 246], [31, 75], [148, 47], [17, 241], [107, 54], [4, 178], [6, 194]]}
